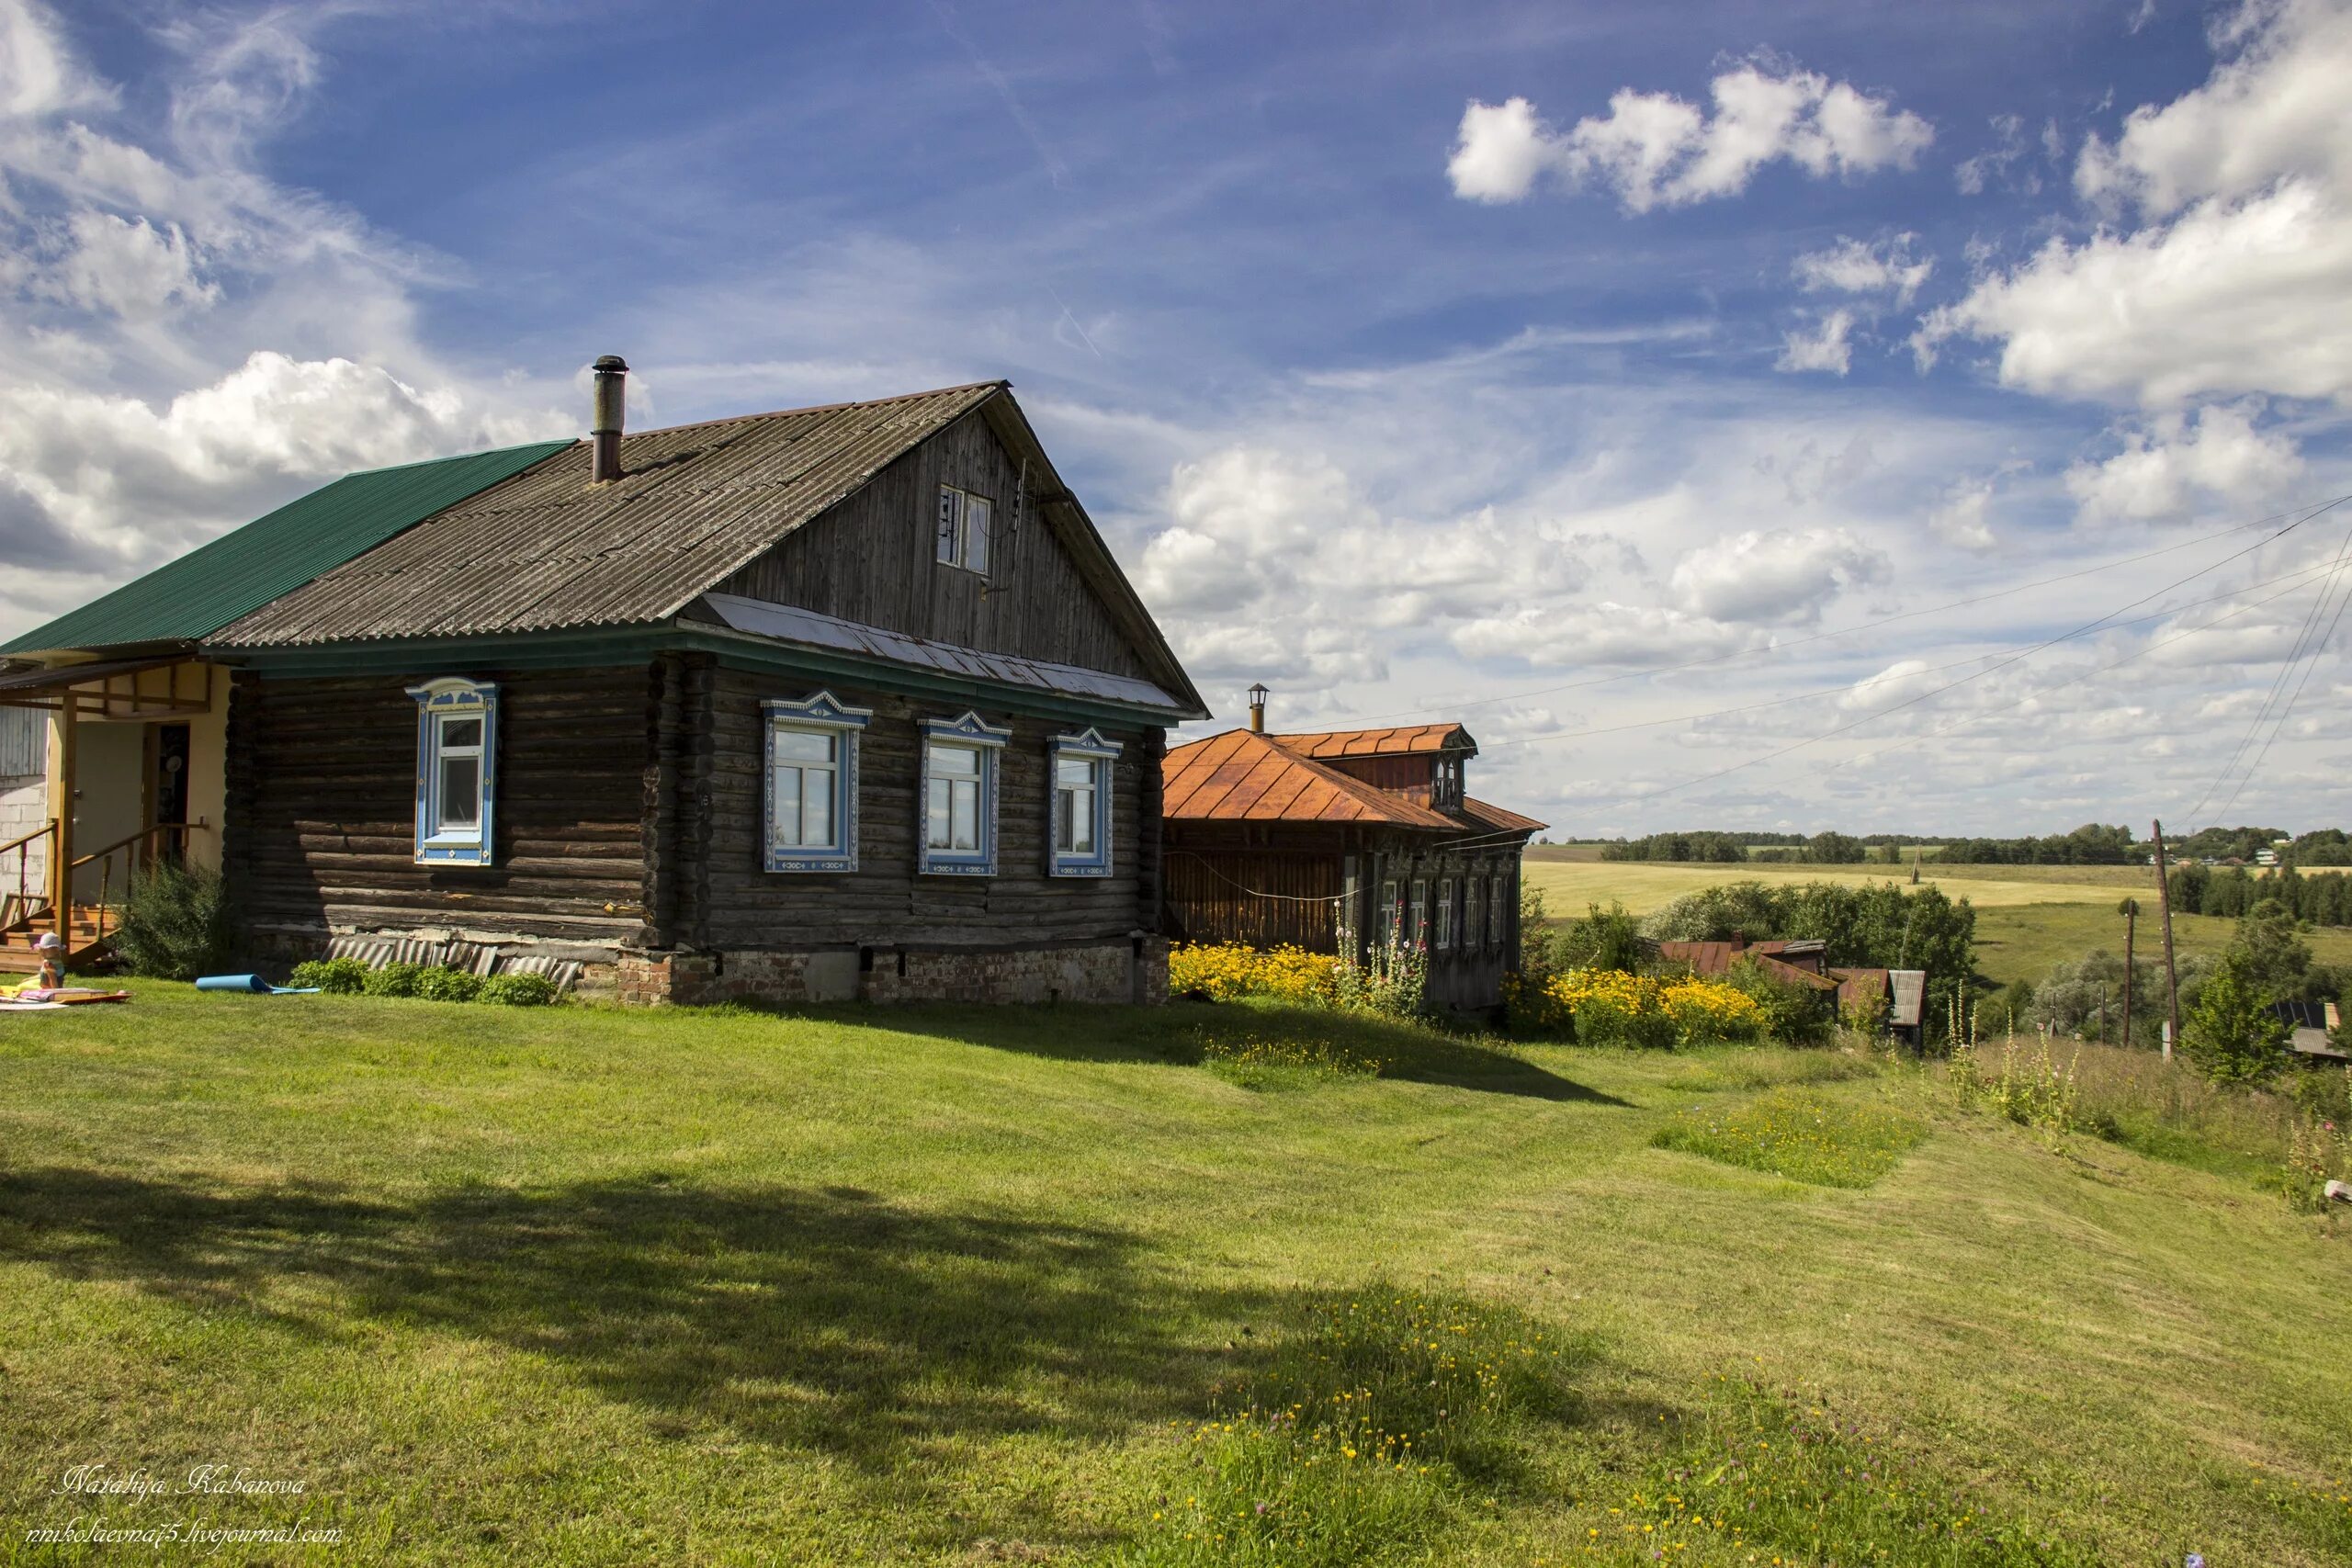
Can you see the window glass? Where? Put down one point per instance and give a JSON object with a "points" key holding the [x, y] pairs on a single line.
{"points": [[1470, 928], [951, 811], [458, 732], [461, 792], [1445, 912], [1075, 781], [804, 779], [1417, 917]]}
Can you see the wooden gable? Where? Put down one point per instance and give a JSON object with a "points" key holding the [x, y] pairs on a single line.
{"points": [[871, 558]]}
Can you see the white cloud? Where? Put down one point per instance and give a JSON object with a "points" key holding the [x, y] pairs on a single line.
{"points": [[1823, 348], [2236, 282], [112, 472], [190, 342], [38, 73], [1780, 575], [127, 269], [1962, 518], [1604, 633], [1656, 150], [2172, 463], [1860, 266]]}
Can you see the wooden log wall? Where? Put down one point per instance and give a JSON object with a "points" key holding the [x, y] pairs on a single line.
{"points": [[321, 806], [884, 903], [873, 559], [1243, 883]]}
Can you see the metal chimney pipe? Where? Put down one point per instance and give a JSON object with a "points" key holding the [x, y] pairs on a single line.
{"points": [[611, 411], [1258, 694]]}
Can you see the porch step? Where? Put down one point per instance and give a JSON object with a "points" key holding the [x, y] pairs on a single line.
{"points": [[85, 932]]}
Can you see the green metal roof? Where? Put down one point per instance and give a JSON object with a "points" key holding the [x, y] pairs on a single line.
{"points": [[239, 573]]}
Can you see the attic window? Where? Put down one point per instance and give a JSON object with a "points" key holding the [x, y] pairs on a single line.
{"points": [[962, 529]]}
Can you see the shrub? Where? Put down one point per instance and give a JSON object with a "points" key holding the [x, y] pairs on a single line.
{"points": [[395, 980], [1802, 1136], [521, 989], [1223, 970], [1611, 1006], [449, 984], [2231, 1035], [1603, 939], [177, 923], [1790, 1013], [335, 976], [1395, 986]]}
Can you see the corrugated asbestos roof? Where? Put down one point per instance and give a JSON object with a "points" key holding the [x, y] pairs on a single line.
{"points": [[1241, 777], [546, 550], [789, 623], [213, 584], [1408, 741]]}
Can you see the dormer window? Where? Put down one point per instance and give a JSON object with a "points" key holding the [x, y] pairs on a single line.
{"points": [[963, 530], [1445, 787]]}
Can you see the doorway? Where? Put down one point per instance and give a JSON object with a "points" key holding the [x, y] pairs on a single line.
{"points": [[167, 787]]}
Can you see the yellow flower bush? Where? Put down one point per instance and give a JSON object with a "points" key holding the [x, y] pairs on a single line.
{"points": [[1611, 1006], [1227, 970]]}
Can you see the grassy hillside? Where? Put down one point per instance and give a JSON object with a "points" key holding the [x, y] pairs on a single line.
{"points": [[2029, 918], [956, 1287]]}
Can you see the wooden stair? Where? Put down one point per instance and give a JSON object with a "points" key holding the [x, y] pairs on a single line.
{"points": [[90, 930]]}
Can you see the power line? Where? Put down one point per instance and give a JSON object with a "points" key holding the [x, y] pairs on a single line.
{"points": [[2278, 685], [2063, 685], [2304, 573], [2318, 649], [1991, 669], [2312, 510]]}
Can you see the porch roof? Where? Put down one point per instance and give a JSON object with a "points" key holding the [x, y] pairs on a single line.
{"points": [[215, 584]]}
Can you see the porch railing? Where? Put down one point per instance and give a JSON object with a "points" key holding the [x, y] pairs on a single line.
{"points": [[165, 840], [30, 895]]}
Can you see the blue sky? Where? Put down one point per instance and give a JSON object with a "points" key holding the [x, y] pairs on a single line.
{"points": [[1452, 361]]}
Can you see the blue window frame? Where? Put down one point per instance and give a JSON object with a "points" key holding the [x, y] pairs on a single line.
{"points": [[457, 770], [810, 791], [956, 806], [1078, 842]]}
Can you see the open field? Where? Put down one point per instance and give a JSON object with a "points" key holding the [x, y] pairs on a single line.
{"points": [[958, 1286], [2029, 918], [1643, 886]]}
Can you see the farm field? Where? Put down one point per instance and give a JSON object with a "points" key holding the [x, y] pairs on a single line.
{"points": [[1643, 886], [2029, 918], [961, 1287]]}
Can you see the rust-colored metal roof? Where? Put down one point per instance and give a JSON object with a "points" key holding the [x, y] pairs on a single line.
{"points": [[1498, 818], [1711, 958], [1408, 741], [545, 550], [1242, 778]]}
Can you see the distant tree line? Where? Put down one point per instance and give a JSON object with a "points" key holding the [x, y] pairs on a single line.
{"points": [[2093, 843], [2323, 899], [1821, 848]]}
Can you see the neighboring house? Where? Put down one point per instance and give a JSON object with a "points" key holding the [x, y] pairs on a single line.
{"points": [[1896, 995], [1346, 844], [848, 701], [2309, 1024]]}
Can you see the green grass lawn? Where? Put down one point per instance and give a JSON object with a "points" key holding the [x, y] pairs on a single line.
{"points": [[955, 1286]]}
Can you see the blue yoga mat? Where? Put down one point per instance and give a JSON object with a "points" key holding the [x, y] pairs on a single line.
{"points": [[252, 983]]}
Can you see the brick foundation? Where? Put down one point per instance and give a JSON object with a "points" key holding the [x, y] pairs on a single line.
{"points": [[1113, 972]]}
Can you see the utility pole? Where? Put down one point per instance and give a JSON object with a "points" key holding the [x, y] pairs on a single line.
{"points": [[2130, 919], [2172, 970]]}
